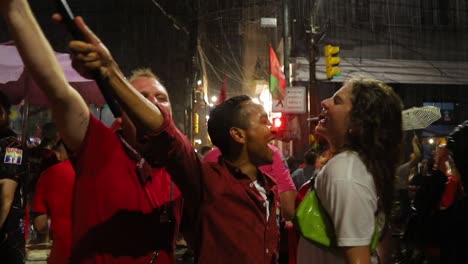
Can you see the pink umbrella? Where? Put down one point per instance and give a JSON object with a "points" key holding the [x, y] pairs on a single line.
{"points": [[17, 84]]}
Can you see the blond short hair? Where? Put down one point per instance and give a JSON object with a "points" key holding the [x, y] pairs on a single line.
{"points": [[142, 72]]}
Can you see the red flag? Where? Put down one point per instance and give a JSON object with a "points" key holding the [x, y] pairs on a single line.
{"points": [[277, 77], [222, 93]]}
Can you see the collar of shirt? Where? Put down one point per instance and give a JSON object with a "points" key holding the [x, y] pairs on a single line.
{"points": [[263, 179]]}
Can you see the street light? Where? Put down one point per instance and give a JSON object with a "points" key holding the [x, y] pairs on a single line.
{"points": [[214, 98]]}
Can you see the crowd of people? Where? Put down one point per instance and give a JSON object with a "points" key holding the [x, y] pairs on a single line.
{"points": [[128, 191]]}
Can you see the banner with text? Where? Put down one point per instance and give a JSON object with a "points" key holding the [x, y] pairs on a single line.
{"points": [[294, 102]]}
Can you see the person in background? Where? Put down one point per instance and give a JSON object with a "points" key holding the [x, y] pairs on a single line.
{"points": [[453, 188], [124, 211], [362, 125], [292, 164], [279, 171], [40, 158], [454, 224], [402, 180], [12, 176], [53, 200], [302, 175]]}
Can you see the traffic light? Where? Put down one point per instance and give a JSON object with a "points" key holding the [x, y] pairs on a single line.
{"points": [[279, 127], [331, 60], [278, 123]]}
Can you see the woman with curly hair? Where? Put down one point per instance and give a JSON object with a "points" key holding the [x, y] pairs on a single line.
{"points": [[361, 123]]}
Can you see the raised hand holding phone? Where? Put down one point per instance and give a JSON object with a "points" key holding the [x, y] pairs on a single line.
{"points": [[69, 20]]}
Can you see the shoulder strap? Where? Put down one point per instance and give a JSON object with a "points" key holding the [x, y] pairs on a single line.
{"points": [[143, 169], [312, 183], [302, 175]]}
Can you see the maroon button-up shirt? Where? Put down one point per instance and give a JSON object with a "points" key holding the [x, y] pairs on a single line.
{"points": [[228, 216]]}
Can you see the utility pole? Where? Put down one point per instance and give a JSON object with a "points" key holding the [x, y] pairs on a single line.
{"points": [[192, 75], [314, 104], [286, 42]]}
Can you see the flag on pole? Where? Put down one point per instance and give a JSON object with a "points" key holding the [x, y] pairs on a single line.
{"points": [[222, 93], [277, 78]]}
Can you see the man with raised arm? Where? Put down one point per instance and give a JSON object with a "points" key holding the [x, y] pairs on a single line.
{"points": [[124, 211]]}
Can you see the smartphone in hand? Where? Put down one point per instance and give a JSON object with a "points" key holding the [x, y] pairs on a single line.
{"points": [[68, 19]]}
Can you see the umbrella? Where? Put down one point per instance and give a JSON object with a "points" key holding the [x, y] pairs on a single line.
{"points": [[420, 117], [17, 84]]}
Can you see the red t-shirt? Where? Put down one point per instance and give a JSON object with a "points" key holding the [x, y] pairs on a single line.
{"points": [[116, 217], [53, 196]]}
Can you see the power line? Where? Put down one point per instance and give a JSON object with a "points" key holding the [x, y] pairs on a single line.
{"points": [[175, 23], [236, 63]]}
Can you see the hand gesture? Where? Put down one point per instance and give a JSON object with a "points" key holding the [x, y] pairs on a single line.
{"points": [[90, 55]]}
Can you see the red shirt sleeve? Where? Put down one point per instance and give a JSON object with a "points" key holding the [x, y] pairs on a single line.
{"points": [[212, 155], [279, 171], [281, 174], [168, 147], [450, 192]]}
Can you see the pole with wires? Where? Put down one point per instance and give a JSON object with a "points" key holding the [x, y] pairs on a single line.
{"points": [[286, 40], [314, 104]]}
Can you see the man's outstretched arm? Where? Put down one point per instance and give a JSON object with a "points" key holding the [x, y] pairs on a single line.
{"points": [[68, 108], [93, 55]]}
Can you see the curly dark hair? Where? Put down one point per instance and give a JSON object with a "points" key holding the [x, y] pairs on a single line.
{"points": [[377, 134], [223, 117]]}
